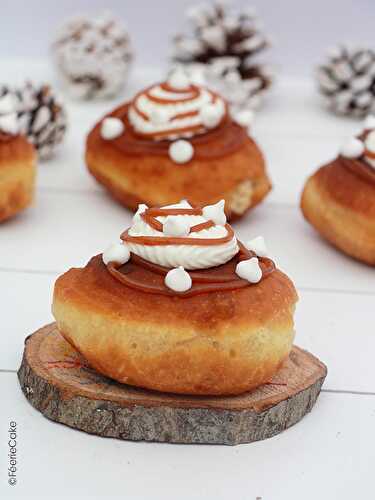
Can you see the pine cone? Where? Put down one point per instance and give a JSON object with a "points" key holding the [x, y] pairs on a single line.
{"points": [[347, 80], [42, 118], [93, 56], [6, 91], [223, 46]]}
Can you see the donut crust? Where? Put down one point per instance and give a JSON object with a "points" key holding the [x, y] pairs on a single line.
{"points": [[341, 206], [224, 342], [17, 176], [238, 177]]}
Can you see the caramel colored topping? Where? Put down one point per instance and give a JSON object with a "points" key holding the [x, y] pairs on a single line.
{"points": [[360, 168], [370, 154], [148, 277], [192, 91], [169, 132], [170, 240], [168, 88]]}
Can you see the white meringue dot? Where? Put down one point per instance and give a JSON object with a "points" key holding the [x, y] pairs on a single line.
{"points": [[181, 204], [215, 213], [370, 142], [210, 115], [258, 246], [181, 151], [178, 280], [140, 210], [244, 118], [249, 270], [369, 122], [197, 76], [353, 148], [111, 128], [175, 225], [117, 252], [9, 124], [178, 79]]}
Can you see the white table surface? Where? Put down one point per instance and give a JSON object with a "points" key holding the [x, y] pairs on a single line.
{"points": [[330, 454]]}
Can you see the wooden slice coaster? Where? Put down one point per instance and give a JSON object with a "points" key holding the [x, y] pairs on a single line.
{"points": [[58, 382]]}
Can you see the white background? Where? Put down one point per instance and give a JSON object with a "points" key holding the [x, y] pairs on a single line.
{"points": [[302, 30]]}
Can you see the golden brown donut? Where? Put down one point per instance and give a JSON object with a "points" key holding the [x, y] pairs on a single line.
{"points": [[17, 175], [135, 168], [223, 341], [339, 201]]}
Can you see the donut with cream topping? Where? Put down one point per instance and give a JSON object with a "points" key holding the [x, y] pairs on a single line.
{"points": [[17, 162], [339, 199], [194, 312], [175, 140]]}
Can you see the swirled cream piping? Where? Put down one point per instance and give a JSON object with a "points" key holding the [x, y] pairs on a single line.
{"points": [[179, 235], [167, 112]]}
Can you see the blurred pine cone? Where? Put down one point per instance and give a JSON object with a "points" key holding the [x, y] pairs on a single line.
{"points": [[223, 46], [93, 55], [42, 118], [347, 81]]}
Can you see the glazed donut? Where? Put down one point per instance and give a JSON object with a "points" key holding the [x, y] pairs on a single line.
{"points": [[180, 305], [339, 199], [177, 140], [17, 163]]}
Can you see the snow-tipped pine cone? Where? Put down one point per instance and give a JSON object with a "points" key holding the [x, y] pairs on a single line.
{"points": [[347, 81], [93, 56], [42, 118], [222, 48]]}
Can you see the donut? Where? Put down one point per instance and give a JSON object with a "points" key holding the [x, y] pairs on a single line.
{"points": [[17, 163], [180, 305], [339, 198], [177, 140]]}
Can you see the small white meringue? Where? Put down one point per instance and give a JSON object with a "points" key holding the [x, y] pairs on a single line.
{"points": [[179, 79], [353, 148], [9, 124], [175, 225], [111, 128], [117, 252], [140, 210], [197, 76], [369, 122], [244, 118], [181, 151], [370, 142], [215, 213], [258, 246], [249, 270], [178, 279], [181, 204], [210, 115]]}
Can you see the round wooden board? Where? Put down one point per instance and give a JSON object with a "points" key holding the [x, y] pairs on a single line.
{"points": [[58, 382]]}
